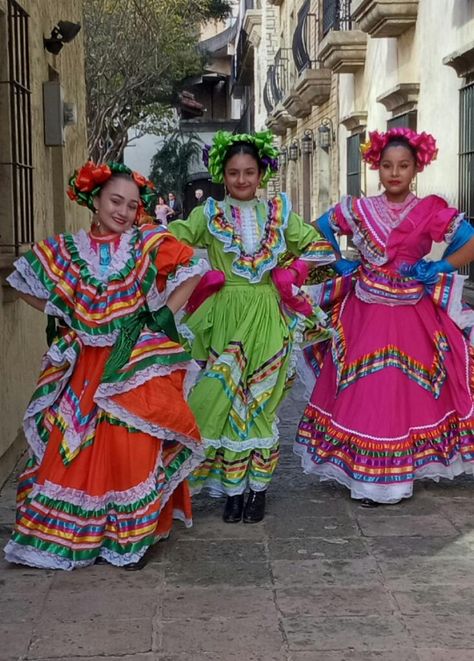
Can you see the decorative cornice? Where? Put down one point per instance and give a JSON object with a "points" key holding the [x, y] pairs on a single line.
{"points": [[343, 51], [355, 122], [401, 98], [252, 25], [462, 60], [385, 18]]}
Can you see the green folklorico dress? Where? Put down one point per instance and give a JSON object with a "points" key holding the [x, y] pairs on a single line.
{"points": [[243, 336]]}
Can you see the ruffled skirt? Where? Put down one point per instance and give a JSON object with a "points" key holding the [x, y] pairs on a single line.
{"points": [[108, 461], [392, 399]]}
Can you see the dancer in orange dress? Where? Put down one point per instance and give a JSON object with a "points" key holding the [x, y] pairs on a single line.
{"points": [[111, 437]]}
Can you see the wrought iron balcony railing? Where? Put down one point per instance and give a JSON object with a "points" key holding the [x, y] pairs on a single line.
{"points": [[305, 39], [280, 80], [336, 15]]}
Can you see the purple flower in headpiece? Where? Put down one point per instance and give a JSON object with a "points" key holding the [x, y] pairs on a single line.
{"points": [[274, 164], [205, 155]]}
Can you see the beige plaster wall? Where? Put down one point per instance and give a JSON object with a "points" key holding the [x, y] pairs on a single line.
{"points": [[22, 328]]}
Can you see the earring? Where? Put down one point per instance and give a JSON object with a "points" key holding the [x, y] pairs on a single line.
{"points": [[380, 185], [97, 222], [413, 185]]}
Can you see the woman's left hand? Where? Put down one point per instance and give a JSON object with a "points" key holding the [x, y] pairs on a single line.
{"points": [[425, 271]]}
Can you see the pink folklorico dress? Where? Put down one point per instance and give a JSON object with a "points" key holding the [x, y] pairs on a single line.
{"points": [[393, 389]]}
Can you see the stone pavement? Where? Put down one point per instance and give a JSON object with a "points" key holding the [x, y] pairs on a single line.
{"points": [[320, 580]]}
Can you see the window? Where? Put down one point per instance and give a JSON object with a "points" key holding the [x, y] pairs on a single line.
{"points": [[466, 157], [16, 165], [354, 186], [406, 121]]}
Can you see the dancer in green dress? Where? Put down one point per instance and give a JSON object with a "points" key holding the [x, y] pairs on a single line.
{"points": [[244, 333]]}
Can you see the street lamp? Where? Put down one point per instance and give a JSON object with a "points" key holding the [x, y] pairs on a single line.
{"points": [[293, 151], [61, 34], [307, 143], [326, 135]]}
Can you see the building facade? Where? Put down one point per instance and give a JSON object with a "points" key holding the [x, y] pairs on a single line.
{"points": [[325, 72], [42, 140]]}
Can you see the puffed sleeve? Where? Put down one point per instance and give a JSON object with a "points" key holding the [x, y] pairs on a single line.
{"points": [[192, 231], [176, 263], [38, 271], [303, 240], [445, 220], [341, 216]]}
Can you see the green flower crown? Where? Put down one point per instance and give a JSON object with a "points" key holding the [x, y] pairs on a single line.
{"points": [[213, 155]]}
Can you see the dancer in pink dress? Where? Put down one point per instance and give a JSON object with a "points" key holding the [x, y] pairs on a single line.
{"points": [[393, 388]]}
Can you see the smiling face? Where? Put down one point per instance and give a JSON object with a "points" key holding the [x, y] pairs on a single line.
{"points": [[117, 205], [242, 177], [397, 169]]}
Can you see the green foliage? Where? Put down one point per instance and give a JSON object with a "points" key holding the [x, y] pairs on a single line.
{"points": [[170, 165], [137, 52]]}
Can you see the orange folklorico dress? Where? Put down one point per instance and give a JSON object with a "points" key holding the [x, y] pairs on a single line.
{"points": [[109, 454]]}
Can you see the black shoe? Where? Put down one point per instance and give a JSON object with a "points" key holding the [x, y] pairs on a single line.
{"points": [[234, 506], [254, 507], [136, 566], [101, 561], [368, 503]]}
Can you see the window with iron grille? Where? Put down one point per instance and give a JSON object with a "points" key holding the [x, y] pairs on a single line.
{"points": [[407, 120], [16, 158], [466, 157], [354, 181]]}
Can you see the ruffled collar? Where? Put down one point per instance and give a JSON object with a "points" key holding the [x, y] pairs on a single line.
{"points": [[223, 224], [84, 250]]}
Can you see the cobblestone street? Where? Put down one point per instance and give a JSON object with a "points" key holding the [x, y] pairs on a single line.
{"points": [[320, 580]]}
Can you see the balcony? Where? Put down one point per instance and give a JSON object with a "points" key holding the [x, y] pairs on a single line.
{"points": [[343, 48], [276, 3], [385, 18], [252, 24], [280, 120], [310, 83]]}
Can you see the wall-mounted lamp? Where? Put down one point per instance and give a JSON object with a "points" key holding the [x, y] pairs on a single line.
{"points": [[283, 157], [326, 135], [61, 34], [293, 151], [307, 143]]}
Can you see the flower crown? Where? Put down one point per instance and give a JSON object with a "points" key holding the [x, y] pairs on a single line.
{"points": [[87, 182], [213, 155], [423, 143]]}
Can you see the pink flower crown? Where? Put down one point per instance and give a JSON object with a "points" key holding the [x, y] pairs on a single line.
{"points": [[423, 143]]}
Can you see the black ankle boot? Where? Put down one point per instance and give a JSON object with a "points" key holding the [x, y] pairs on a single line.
{"points": [[254, 507], [234, 506], [136, 566]]}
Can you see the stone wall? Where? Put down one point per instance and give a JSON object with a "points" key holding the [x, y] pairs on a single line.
{"points": [[22, 336]]}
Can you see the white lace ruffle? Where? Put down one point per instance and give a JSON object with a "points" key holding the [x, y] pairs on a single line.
{"points": [[381, 493], [27, 555], [120, 257], [254, 443], [81, 499], [24, 279], [153, 429], [183, 273], [357, 236], [113, 389], [154, 298]]}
